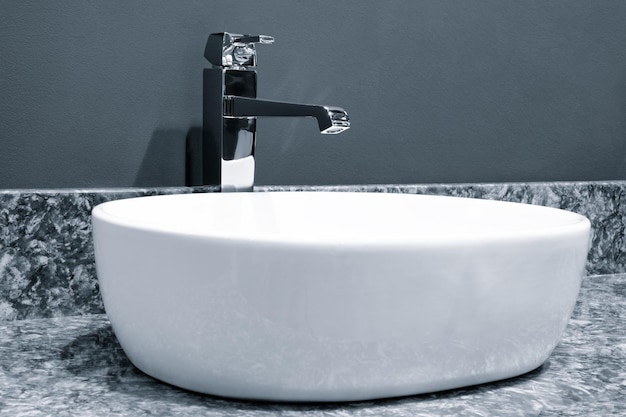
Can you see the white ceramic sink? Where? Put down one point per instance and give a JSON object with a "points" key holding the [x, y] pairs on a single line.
{"points": [[313, 296]]}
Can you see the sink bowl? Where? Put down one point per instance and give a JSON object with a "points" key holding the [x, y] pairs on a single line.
{"points": [[318, 296]]}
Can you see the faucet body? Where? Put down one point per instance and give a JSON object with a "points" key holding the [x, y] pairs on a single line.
{"points": [[230, 110], [227, 142]]}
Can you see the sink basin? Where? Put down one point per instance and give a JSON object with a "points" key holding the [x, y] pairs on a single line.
{"points": [[320, 296]]}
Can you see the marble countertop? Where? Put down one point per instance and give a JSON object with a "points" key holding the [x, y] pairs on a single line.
{"points": [[73, 366], [47, 266]]}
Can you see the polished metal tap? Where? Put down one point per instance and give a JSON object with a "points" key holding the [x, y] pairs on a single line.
{"points": [[230, 110]]}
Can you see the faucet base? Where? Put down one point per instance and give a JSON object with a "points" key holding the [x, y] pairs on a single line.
{"points": [[238, 174]]}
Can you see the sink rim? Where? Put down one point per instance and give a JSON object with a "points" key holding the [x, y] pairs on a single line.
{"points": [[569, 222]]}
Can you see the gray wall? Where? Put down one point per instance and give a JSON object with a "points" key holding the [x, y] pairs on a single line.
{"points": [[104, 93]]}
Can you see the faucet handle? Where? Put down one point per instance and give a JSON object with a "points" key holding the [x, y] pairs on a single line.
{"points": [[231, 50], [251, 38]]}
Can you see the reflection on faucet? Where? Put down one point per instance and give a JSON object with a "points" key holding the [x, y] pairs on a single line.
{"points": [[230, 110]]}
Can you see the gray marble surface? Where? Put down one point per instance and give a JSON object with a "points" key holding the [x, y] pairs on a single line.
{"points": [[73, 366], [46, 254]]}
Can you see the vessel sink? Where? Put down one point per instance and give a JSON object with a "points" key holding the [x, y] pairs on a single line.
{"points": [[336, 296]]}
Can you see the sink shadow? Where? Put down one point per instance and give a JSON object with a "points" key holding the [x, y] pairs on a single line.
{"points": [[98, 358], [97, 354]]}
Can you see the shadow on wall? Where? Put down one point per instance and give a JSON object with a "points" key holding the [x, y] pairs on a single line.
{"points": [[164, 163], [193, 157]]}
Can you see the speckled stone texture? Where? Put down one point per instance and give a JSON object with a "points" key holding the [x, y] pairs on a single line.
{"points": [[74, 366], [46, 255]]}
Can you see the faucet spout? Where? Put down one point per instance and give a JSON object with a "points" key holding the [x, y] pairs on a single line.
{"points": [[331, 120]]}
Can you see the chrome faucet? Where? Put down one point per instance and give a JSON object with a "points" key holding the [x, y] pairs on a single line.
{"points": [[230, 110]]}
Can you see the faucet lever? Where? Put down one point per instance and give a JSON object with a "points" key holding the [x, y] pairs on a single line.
{"points": [[234, 51], [253, 39]]}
